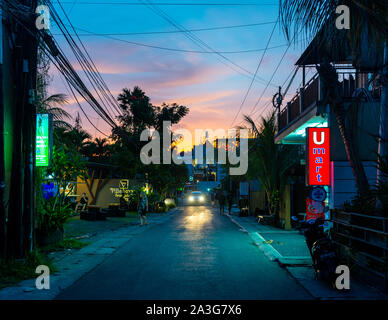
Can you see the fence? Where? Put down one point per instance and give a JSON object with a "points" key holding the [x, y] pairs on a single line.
{"points": [[365, 239]]}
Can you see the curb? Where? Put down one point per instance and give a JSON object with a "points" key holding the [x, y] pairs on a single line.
{"points": [[270, 252]]}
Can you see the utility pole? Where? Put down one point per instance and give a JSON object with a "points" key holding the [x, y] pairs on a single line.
{"points": [[3, 230], [22, 187], [277, 102]]}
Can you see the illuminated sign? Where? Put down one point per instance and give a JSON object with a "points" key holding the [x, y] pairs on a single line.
{"points": [[314, 209], [318, 156], [43, 140]]}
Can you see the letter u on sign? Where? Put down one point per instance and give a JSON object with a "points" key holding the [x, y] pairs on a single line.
{"points": [[315, 139]]}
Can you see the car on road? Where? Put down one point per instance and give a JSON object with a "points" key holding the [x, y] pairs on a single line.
{"points": [[196, 198]]}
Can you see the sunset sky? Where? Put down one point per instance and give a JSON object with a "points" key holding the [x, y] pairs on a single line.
{"points": [[204, 82]]}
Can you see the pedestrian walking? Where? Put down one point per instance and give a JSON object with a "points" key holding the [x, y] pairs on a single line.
{"points": [[230, 201], [221, 201], [212, 197], [216, 198], [143, 208]]}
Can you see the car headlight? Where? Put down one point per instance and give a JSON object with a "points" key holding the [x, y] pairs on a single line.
{"points": [[201, 198], [191, 198]]}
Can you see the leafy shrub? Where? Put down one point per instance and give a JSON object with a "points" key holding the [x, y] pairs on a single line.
{"points": [[53, 217], [14, 271]]}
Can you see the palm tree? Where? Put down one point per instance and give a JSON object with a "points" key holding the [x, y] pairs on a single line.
{"points": [[51, 105], [271, 160], [307, 18], [46, 103], [98, 147], [313, 17]]}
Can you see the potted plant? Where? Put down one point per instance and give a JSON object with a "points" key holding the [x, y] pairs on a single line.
{"points": [[51, 223]]}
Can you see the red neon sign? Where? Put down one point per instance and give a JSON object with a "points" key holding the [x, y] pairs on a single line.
{"points": [[318, 156]]}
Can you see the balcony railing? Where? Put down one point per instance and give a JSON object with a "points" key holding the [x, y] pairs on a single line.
{"points": [[310, 94]]}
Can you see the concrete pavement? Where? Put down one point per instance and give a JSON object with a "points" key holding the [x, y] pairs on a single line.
{"points": [[197, 254], [289, 249]]}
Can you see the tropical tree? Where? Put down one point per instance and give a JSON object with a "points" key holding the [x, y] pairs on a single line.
{"points": [[139, 114], [98, 148], [307, 19], [51, 104], [270, 161]]}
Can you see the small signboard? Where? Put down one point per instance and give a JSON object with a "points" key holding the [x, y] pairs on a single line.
{"points": [[43, 144], [49, 190], [318, 156], [318, 194], [314, 209]]}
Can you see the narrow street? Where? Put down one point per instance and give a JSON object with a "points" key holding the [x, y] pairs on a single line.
{"points": [[195, 255]]}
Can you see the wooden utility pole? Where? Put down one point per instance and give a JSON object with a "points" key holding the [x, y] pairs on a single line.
{"points": [[22, 187], [3, 229]]}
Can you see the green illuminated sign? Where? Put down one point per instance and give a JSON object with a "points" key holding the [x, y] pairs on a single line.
{"points": [[43, 140]]}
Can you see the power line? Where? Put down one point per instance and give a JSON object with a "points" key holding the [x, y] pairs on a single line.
{"points": [[180, 31], [174, 4], [273, 75], [95, 73], [254, 76], [198, 41], [108, 36]]}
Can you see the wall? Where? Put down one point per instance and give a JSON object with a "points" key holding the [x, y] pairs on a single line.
{"points": [[344, 186], [367, 127], [256, 196], [285, 207], [110, 193]]}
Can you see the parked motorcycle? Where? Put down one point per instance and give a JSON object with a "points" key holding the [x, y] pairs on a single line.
{"points": [[322, 249]]}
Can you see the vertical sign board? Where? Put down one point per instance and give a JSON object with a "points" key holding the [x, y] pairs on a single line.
{"points": [[43, 150], [318, 156], [317, 170]]}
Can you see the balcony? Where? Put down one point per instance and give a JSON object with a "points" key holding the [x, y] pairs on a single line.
{"points": [[309, 95]]}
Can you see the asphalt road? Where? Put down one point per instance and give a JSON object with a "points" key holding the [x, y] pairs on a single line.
{"points": [[195, 255]]}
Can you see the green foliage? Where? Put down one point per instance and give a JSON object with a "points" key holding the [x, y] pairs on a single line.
{"points": [[14, 271], [268, 161], [53, 217], [66, 167]]}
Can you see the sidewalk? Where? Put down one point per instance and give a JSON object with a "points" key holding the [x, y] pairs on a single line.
{"points": [[105, 240], [288, 248]]}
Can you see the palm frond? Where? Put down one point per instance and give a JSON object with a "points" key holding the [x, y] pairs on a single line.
{"points": [[252, 124], [55, 99], [304, 19]]}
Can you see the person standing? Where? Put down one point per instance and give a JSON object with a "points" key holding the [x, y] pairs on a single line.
{"points": [[216, 198], [143, 208], [230, 201], [221, 201], [82, 203], [212, 196]]}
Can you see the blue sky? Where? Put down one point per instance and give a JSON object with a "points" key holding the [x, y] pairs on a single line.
{"points": [[212, 90]]}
